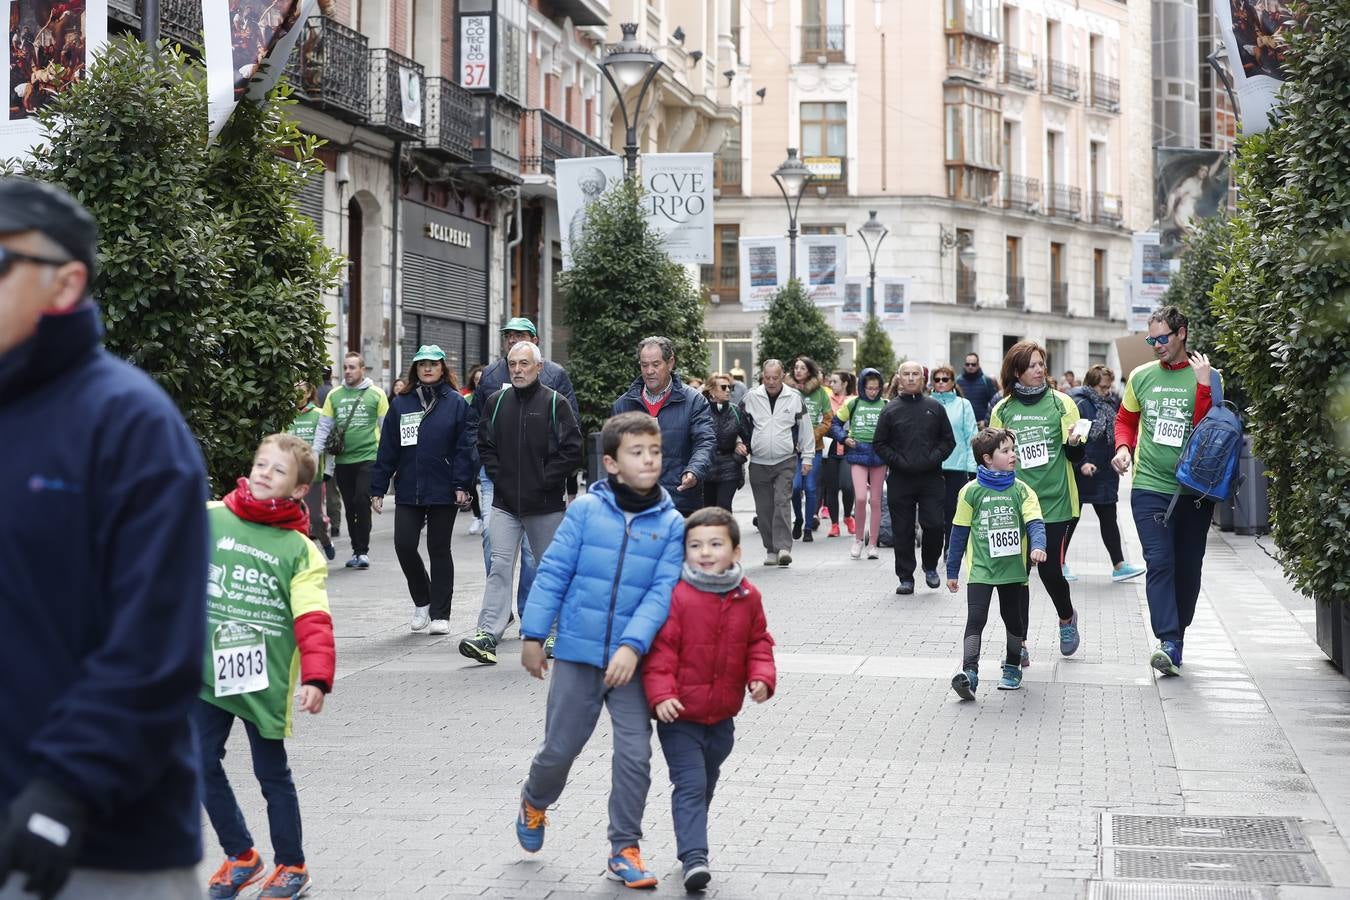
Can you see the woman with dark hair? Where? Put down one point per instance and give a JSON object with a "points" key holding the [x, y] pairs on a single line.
{"points": [[726, 473], [836, 476], [959, 467], [471, 381], [806, 379], [1049, 447], [1098, 483], [428, 443]]}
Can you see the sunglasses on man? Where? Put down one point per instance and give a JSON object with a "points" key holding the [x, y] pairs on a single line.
{"points": [[8, 259], [1160, 339]]}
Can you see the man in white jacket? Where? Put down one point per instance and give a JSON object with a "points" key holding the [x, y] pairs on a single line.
{"points": [[777, 432]]}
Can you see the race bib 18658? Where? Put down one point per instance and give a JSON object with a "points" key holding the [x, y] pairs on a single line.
{"points": [[1005, 542], [239, 659]]}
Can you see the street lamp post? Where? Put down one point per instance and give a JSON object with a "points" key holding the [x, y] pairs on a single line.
{"points": [[792, 177], [628, 64], [872, 234], [150, 24]]}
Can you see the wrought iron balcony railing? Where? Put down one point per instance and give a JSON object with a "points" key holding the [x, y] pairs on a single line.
{"points": [[1019, 68], [1059, 297], [1101, 303], [396, 87], [179, 20], [1016, 288], [451, 122], [965, 286], [1105, 93], [1063, 202], [728, 175], [825, 41], [1062, 80], [1021, 192], [1105, 209], [330, 69], [545, 139], [496, 145]]}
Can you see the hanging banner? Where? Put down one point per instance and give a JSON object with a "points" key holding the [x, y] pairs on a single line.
{"points": [[822, 263], [849, 316], [247, 44], [410, 95], [893, 294], [580, 183], [1150, 276], [764, 271], [1187, 185], [1251, 32], [49, 45], [678, 198]]}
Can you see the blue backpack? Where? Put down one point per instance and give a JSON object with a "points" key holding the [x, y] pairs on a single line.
{"points": [[1209, 461]]}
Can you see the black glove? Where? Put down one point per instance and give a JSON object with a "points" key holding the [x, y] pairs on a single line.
{"points": [[41, 837]]}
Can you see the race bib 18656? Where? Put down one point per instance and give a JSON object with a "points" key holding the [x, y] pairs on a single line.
{"points": [[239, 659], [1169, 431]]}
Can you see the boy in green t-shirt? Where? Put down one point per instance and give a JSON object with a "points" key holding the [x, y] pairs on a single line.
{"points": [[998, 515], [268, 626]]}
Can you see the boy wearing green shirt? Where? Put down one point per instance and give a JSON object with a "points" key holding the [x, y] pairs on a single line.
{"points": [[997, 516]]}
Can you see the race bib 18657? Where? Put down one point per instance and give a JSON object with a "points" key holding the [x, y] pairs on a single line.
{"points": [[239, 659], [1034, 455]]}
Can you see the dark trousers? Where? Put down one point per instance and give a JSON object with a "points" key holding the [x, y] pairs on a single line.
{"points": [[903, 494], [1014, 602], [719, 493], [314, 504], [1174, 554], [1052, 570], [434, 591], [332, 498], [952, 482], [273, 774], [836, 478], [694, 754], [353, 481], [1106, 520]]}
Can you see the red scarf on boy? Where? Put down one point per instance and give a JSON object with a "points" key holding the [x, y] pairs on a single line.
{"points": [[282, 513]]}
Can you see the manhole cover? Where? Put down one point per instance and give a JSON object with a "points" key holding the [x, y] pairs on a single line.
{"points": [[1204, 832], [1212, 865], [1159, 890]]}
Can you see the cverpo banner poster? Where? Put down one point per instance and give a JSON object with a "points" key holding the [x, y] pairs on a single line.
{"points": [[1252, 36], [247, 45], [678, 199], [580, 183], [822, 265], [1150, 277], [893, 296], [764, 271], [49, 45], [1188, 185]]}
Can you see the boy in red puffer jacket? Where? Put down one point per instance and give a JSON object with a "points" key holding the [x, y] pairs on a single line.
{"points": [[714, 647]]}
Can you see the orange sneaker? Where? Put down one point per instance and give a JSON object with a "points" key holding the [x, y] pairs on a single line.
{"points": [[286, 881], [627, 866], [235, 874]]}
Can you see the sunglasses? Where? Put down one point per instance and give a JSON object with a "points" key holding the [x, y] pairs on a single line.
{"points": [[1160, 339], [942, 380], [721, 387], [972, 365], [9, 257]]}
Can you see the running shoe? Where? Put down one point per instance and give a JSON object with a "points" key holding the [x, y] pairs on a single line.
{"points": [[834, 530], [1166, 658], [1126, 572], [1068, 636], [696, 875], [440, 626], [873, 552], [1025, 659], [771, 559], [421, 617], [627, 866], [548, 645], [362, 561], [353, 562], [806, 536], [286, 881], [848, 523], [822, 513], [906, 586], [330, 551], [475, 526], [855, 552], [964, 683], [530, 824], [1011, 680], [235, 874], [784, 558], [1068, 576], [796, 529], [482, 647], [930, 578]]}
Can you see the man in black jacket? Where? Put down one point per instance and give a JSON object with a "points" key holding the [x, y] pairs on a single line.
{"points": [[914, 436], [529, 442]]}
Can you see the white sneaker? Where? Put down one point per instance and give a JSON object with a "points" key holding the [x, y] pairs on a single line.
{"points": [[771, 559], [784, 558], [855, 552], [440, 626], [872, 552], [475, 526], [421, 618]]}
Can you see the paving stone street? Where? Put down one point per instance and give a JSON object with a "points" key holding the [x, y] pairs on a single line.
{"points": [[864, 776]]}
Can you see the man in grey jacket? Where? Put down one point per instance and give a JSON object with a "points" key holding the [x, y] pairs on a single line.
{"points": [[778, 431]]}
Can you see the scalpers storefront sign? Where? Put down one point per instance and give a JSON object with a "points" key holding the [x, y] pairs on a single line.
{"points": [[678, 200]]}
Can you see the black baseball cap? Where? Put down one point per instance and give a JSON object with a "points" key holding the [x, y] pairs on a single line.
{"points": [[27, 205]]}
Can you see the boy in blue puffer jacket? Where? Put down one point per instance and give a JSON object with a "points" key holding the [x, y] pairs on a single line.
{"points": [[606, 582]]}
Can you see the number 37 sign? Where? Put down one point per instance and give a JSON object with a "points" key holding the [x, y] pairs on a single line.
{"points": [[475, 52]]}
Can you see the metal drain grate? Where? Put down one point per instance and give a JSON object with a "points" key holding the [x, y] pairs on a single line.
{"points": [[1204, 832], [1159, 890], [1210, 865]]}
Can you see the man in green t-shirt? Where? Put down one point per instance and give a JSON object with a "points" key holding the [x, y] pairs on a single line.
{"points": [[1163, 402], [356, 410]]}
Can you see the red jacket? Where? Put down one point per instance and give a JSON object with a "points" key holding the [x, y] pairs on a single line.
{"points": [[710, 649]]}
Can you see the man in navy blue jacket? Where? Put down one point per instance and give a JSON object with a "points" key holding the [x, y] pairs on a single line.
{"points": [[103, 546]]}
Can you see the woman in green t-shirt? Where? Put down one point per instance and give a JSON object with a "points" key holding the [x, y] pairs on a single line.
{"points": [[305, 424], [1047, 449]]}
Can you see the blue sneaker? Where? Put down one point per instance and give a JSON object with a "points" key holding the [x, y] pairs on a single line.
{"points": [[696, 875], [530, 824], [964, 683], [1166, 658], [1068, 576], [363, 561], [353, 562], [1011, 680], [235, 874], [627, 866], [1068, 636], [1126, 572]]}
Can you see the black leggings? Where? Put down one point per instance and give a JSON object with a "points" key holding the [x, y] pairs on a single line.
{"points": [[834, 481], [719, 493], [1014, 601], [436, 589], [1052, 570], [1106, 518], [954, 481]]}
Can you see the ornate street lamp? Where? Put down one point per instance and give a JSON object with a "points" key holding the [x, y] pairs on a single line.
{"points": [[628, 64], [792, 177], [872, 234]]}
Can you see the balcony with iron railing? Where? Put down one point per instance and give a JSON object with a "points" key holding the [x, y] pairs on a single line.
{"points": [[822, 43], [1059, 297], [496, 143], [965, 285], [1101, 303], [1105, 93], [546, 139], [1021, 193], [396, 84], [1062, 79], [1016, 288], [829, 176], [1063, 201], [727, 175], [1019, 68], [330, 69], [451, 121], [179, 20], [1106, 209]]}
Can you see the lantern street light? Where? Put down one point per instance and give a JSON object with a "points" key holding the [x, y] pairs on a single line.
{"points": [[628, 64], [872, 234], [792, 177]]}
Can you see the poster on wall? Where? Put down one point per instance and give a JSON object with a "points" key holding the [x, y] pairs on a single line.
{"points": [[849, 316], [247, 45], [410, 95], [1252, 36], [580, 183], [822, 265], [1187, 185], [1150, 276], [893, 295], [49, 45], [764, 268], [678, 199]]}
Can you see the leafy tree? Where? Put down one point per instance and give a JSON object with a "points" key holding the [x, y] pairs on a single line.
{"points": [[875, 350], [208, 279], [1281, 298], [1192, 287], [794, 326], [621, 288]]}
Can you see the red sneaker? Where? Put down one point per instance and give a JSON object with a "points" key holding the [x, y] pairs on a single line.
{"points": [[834, 530], [848, 520]]}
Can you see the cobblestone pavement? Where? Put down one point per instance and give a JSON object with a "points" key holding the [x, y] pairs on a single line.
{"points": [[864, 776]]}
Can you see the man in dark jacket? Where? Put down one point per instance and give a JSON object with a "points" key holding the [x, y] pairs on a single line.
{"points": [[977, 387], [529, 442], [103, 602], [914, 436], [687, 437]]}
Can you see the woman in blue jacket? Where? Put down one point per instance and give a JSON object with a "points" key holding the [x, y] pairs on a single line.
{"points": [[1098, 483], [958, 468], [428, 441]]}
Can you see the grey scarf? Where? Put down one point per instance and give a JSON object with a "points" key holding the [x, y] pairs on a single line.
{"points": [[714, 583]]}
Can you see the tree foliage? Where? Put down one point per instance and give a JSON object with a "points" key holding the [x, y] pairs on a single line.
{"points": [[875, 350], [208, 277], [1192, 287], [621, 288], [794, 326], [1281, 297]]}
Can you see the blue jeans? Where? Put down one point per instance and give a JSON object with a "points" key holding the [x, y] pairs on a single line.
{"points": [[694, 755], [806, 485], [273, 774], [1173, 554], [527, 561]]}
